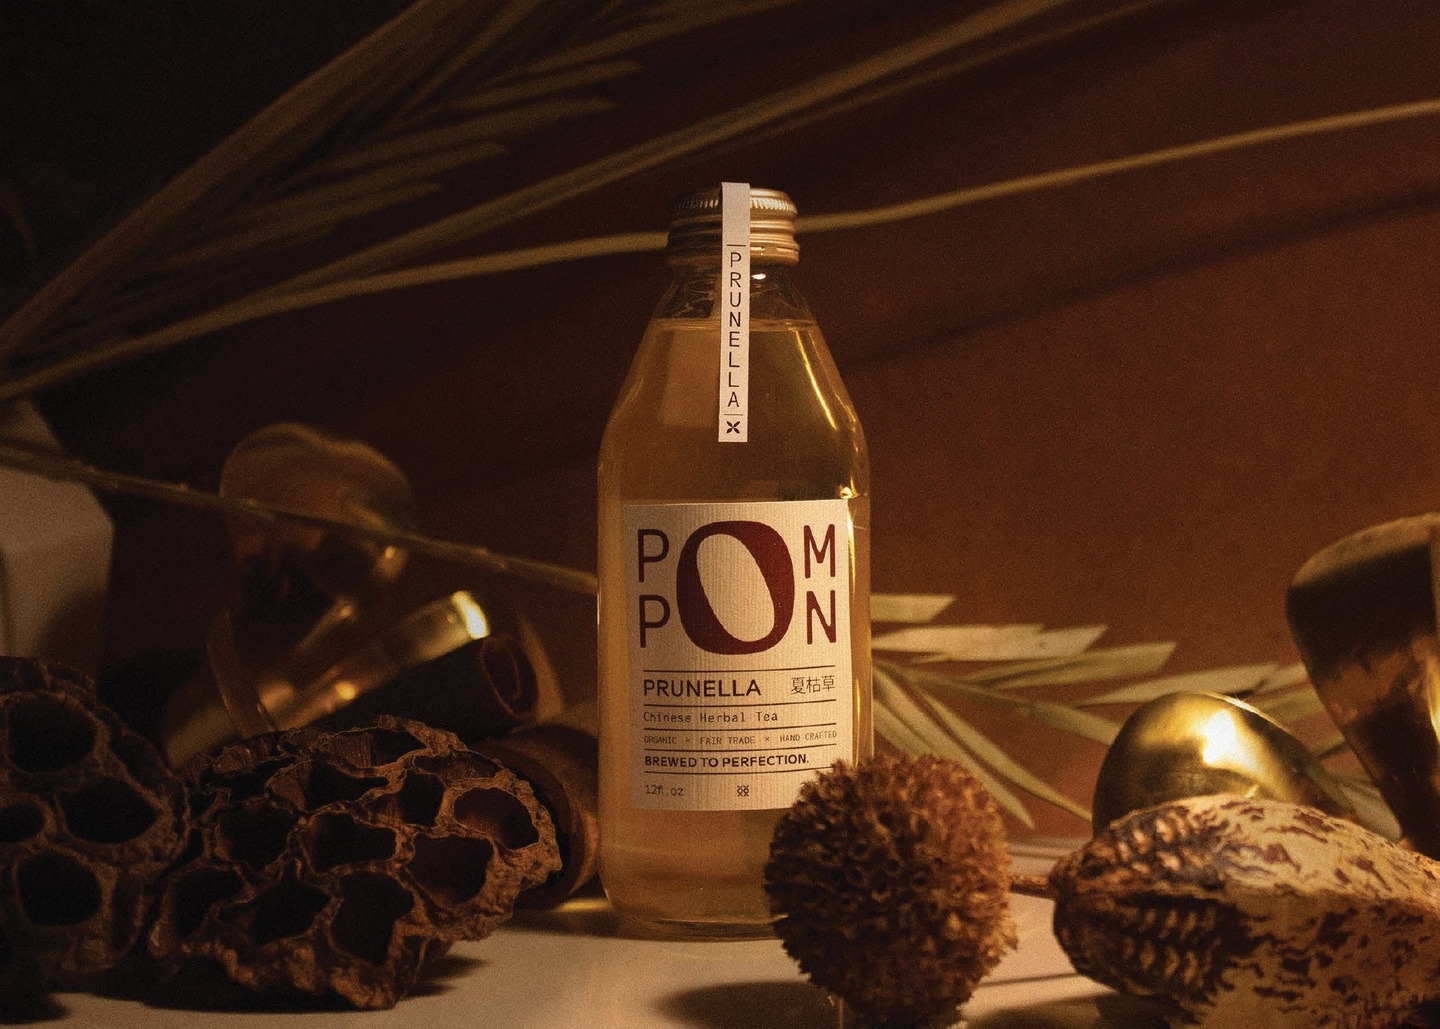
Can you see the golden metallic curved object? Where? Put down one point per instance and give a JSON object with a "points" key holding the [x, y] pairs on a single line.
{"points": [[1196, 744], [255, 702]]}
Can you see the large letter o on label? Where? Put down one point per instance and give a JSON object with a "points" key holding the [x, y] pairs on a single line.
{"points": [[772, 558]]}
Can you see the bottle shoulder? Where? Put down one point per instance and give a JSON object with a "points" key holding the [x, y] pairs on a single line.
{"points": [[693, 290], [662, 437]]}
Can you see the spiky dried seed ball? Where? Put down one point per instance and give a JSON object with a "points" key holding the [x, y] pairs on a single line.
{"points": [[891, 880]]}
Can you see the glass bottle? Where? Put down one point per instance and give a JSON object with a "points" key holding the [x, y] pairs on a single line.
{"points": [[734, 644]]}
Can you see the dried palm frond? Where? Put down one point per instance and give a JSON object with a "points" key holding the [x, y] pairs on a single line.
{"points": [[898, 711], [323, 114], [989, 642], [446, 84], [918, 708], [377, 129], [108, 344]]}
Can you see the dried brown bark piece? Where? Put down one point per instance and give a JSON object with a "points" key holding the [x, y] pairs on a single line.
{"points": [[336, 864], [89, 817], [561, 762]]}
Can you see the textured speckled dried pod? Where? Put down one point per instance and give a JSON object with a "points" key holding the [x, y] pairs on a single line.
{"points": [[89, 816], [335, 864], [1254, 913]]}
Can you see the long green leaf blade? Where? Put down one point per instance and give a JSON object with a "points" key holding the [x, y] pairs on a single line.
{"points": [[891, 696], [1004, 765], [1072, 720], [1091, 666], [1290, 706], [989, 642], [1231, 680], [908, 607]]}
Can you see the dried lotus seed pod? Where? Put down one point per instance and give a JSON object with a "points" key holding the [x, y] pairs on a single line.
{"points": [[335, 864], [89, 817]]}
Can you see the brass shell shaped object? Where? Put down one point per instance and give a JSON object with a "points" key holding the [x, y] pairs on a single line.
{"points": [[1362, 612], [1196, 744], [300, 468], [443, 664]]}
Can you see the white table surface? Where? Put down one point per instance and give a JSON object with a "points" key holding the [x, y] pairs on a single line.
{"points": [[568, 967]]}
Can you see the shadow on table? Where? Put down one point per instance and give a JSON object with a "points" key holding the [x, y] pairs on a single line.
{"points": [[763, 1005], [443, 972], [203, 986], [798, 1005], [1109, 1011], [30, 1010]]}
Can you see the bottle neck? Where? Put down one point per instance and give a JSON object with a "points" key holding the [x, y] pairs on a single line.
{"points": [[695, 284]]}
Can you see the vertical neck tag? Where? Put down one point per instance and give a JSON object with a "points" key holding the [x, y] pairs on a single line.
{"points": [[734, 299]]}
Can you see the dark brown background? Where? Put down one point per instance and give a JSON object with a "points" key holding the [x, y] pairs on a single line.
{"points": [[1142, 400]]}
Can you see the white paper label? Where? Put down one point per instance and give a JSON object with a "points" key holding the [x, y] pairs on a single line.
{"points": [[734, 301], [740, 673]]}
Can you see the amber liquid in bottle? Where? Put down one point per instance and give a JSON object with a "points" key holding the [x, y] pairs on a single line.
{"points": [[699, 872]]}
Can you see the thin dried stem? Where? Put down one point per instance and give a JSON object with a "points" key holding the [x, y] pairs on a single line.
{"points": [[38, 461], [1167, 155], [1031, 886]]}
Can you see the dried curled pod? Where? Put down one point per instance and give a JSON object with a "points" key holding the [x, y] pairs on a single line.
{"points": [[335, 864], [89, 817], [1256, 913], [891, 881]]}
